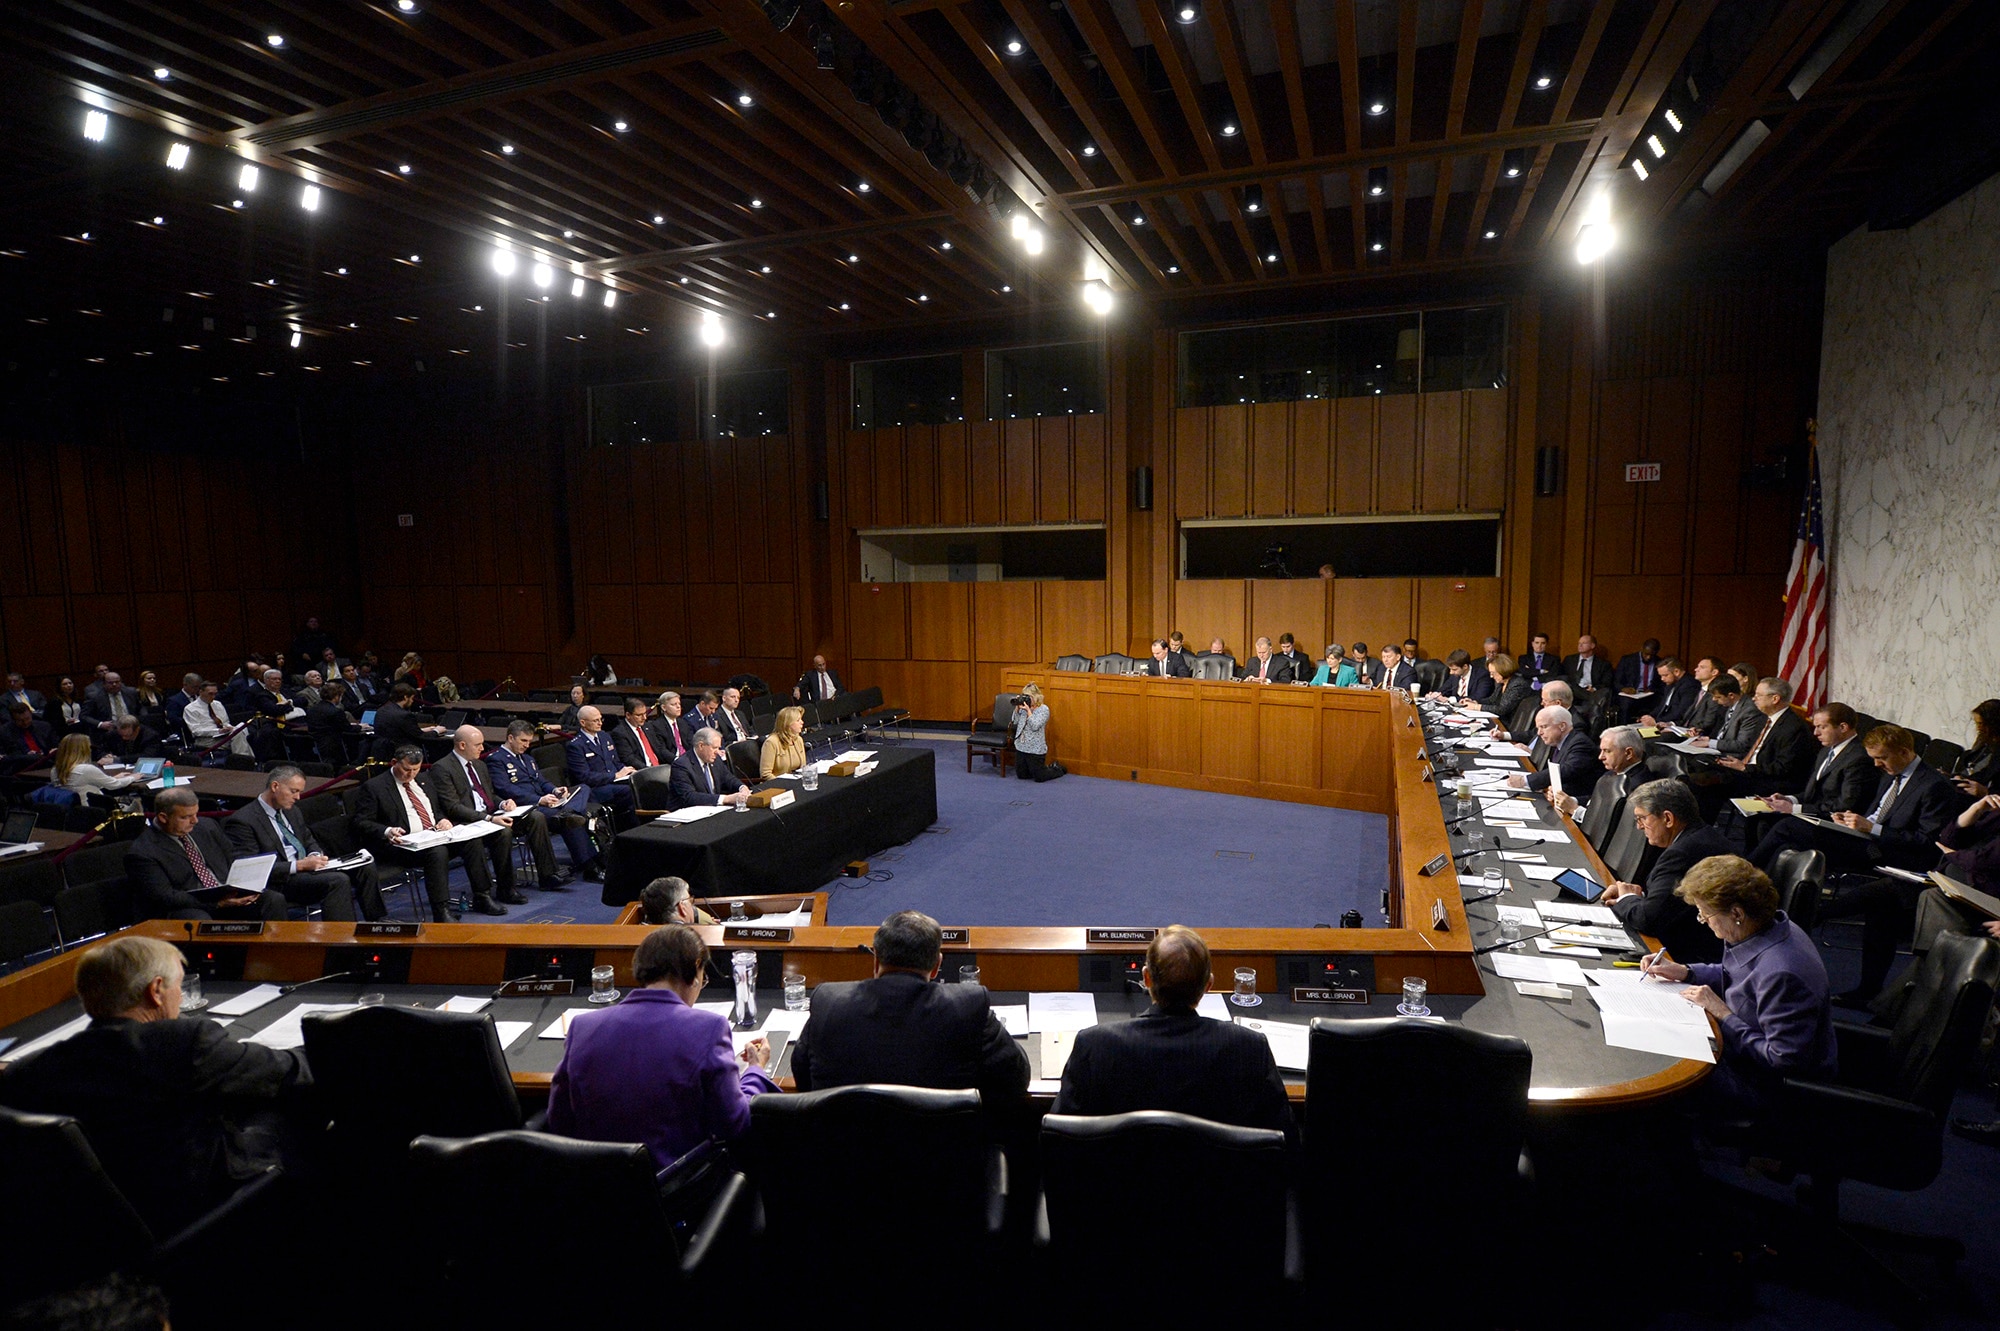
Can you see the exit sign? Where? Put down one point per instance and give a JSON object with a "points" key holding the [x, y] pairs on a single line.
{"points": [[1641, 471]]}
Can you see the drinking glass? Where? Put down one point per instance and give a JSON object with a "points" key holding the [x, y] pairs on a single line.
{"points": [[1492, 883], [737, 913], [192, 999], [372, 1000], [1414, 991], [968, 974], [1245, 994], [795, 989], [809, 777], [1475, 839], [1510, 933], [600, 985]]}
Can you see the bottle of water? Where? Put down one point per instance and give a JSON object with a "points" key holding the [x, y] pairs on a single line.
{"points": [[167, 775]]}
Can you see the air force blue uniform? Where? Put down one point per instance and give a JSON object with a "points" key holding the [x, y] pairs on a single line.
{"points": [[591, 761], [516, 778]]}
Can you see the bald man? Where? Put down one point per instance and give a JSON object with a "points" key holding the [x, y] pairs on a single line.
{"points": [[590, 760], [465, 795]]}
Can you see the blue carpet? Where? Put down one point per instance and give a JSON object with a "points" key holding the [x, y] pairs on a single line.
{"points": [[1084, 850]]}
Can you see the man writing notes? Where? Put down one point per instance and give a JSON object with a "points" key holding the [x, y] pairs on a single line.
{"points": [[1171, 1057], [395, 804], [520, 784], [271, 825], [1264, 668], [463, 796]]}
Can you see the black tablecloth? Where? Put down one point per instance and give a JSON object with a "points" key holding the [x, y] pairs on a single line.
{"points": [[797, 849]]}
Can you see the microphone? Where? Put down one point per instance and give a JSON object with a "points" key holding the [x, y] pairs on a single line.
{"points": [[1509, 942], [335, 975]]}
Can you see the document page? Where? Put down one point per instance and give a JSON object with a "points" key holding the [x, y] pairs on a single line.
{"points": [[1290, 1042], [56, 1036], [1651, 1018], [1548, 970], [1012, 1016], [287, 1032], [1061, 1012], [511, 1031], [246, 1002], [251, 873]]}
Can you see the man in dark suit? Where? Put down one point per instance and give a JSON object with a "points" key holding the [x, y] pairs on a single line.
{"points": [[27, 740], [1843, 779], [1671, 820], [329, 723], [271, 825], [1170, 1057], [366, 686], [632, 739], [817, 684], [1638, 670], [1622, 751], [592, 762], [1674, 698], [179, 867], [392, 806], [1458, 672], [18, 691], [700, 778], [397, 726], [190, 691], [1569, 751], [463, 796], [1482, 686], [1177, 646], [900, 1028], [179, 1113], [132, 741], [110, 703], [1264, 667], [1721, 717], [1538, 664], [354, 701], [1781, 755], [1395, 672], [1587, 668], [665, 728], [730, 718], [1294, 659], [1167, 664], [517, 781]]}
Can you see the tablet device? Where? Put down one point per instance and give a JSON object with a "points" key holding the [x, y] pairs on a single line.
{"points": [[368, 718], [1576, 883], [150, 767]]}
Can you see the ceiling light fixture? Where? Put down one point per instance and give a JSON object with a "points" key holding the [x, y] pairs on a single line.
{"points": [[1097, 297], [1513, 170], [297, 338], [659, 219], [922, 298], [1492, 234], [610, 297], [1639, 169], [507, 149], [177, 156], [236, 203], [407, 6], [765, 269], [1596, 237], [341, 271], [1674, 120], [1654, 145], [1543, 81], [1173, 268], [403, 168], [854, 258], [711, 328], [745, 100], [568, 235], [246, 179], [944, 245], [1187, 11], [1032, 242], [274, 41], [576, 288], [844, 305], [504, 262], [309, 198], [620, 126], [1376, 248], [1090, 150], [756, 203], [1229, 129], [542, 274], [416, 258], [1377, 108], [159, 221], [1014, 46], [162, 73], [863, 186], [95, 124], [1007, 290]]}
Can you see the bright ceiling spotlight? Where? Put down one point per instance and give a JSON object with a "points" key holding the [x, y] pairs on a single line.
{"points": [[1097, 298], [504, 262], [1032, 242], [309, 198], [95, 125], [1019, 223], [162, 73], [543, 275], [610, 297], [274, 41], [1596, 237], [1639, 169], [297, 337], [177, 156], [711, 328], [745, 100], [246, 179], [1187, 11], [576, 288]]}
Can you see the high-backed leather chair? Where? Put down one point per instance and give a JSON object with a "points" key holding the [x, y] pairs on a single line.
{"points": [[993, 741], [1799, 875], [652, 789], [1075, 662], [386, 1075], [1093, 1168], [744, 757]]}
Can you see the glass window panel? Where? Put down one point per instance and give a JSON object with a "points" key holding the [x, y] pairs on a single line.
{"points": [[627, 414], [919, 390], [746, 405], [1061, 380]]}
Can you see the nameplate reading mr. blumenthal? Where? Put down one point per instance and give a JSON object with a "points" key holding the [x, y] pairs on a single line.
{"points": [[536, 988], [1119, 935], [755, 933], [388, 929], [219, 928]]}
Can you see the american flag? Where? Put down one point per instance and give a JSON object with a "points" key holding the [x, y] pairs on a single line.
{"points": [[1802, 652]]}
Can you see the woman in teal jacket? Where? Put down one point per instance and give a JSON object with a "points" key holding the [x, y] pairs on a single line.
{"points": [[1336, 670]]}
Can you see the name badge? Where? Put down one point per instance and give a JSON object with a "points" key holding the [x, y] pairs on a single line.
{"points": [[222, 928], [535, 988], [388, 929], [1309, 993], [955, 937], [1119, 935], [755, 933]]}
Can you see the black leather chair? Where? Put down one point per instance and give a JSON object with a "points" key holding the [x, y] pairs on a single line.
{"points": [[1409, 1122], [80, 1226], [24, 932], [1074, 662], [652, 790], [1881, 1120], [993, 740], [744, 755], [1430, 674], [607, 1217], [35, 879], [82, 913], [1942, 753], [1094, 1167], [1112, 663], [1214, 665], [870, 1178], [1624, 851], [1799, 875], [386, 1075]]}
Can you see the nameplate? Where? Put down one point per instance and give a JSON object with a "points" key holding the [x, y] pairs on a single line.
{"points": [[223, 928], [755, 933], [388, 929], [772, 799], [1119, 935], [535, 988], [955, 937], [843, 769], [1310, 993], [1440, 920], [1436, 866]]}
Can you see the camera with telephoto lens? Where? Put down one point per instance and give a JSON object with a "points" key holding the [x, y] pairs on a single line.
{"points": [[1020, 700]]}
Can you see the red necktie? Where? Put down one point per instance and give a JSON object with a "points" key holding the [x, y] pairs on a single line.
{"points": [[216, 716], [201, 869], [417, 803], [29, 736], [646, 747], [478, 786]]}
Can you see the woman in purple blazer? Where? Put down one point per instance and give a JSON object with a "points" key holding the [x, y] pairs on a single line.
{"points": [[1769, 992], [656, 1069]]}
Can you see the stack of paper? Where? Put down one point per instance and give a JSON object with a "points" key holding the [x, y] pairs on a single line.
{"points": [[246, 1002], [56, 1036], [854, 756], [1061, 1012], [1580, 912], [287, 1032], [1547, 970], [692, 814], [1651, 1016], [420, 840], [1290, 1042]]}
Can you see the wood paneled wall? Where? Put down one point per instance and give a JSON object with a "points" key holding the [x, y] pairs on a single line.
{"points": [[147, 557]]}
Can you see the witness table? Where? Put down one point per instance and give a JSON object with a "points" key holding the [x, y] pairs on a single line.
{"points": [[221, 783], [797, 849]]}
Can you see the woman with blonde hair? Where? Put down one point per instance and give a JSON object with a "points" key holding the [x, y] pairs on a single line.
{"points": [[412, 669], [75, 771], [785, 747], [1031, 737]]}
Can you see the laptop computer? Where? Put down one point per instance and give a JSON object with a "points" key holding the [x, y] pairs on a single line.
{"points": [[19, 827], [452, 720], [368, 718], [149, 767]]}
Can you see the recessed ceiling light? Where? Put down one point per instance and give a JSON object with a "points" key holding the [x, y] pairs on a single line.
{"points": [[1270, 258], [95, 124], [86, 235], [309, 198], [297, 337], [507, 148], [1014, 46], [1377, 108], [854, 258], [568, 235], [770, 314], [1639, 169], [542, 274], [1512, 170], [1491, 234], [744, 99], [1653, 143], [177, 156], [1173, 268], [1007, 289], [159, 221], [416, 258], [162, 73], [1229, 129], [274, 41], [1376, 188], [945, 245], [610, 297], [246, 179], [1138, 219], [863, 186], [620, 126], [1090, 150], [765, 269], [1543, 81], [236, 203], [1674, 120], [407, 6], [659, 219], [341, 271], [844, 305], [1187, 11], [756, 203], [922, 297], [684, 281]]}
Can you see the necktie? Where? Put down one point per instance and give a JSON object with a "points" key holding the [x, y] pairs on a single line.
{"points": [[675, 730], [216, 716], [1888, 797], [118, 712], [708, 777], [28, 735], [201, 869], [1751, 757], [478, 786], [1824, 763], [289, 837], [1645, 675], [646, 747], [825, 686], [417, 802]]}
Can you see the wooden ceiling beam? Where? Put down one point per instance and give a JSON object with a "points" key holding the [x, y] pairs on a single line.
{"points": [[1101, 29], [1406, 69], [1464, 56], [1440, 202], [1291, 66], [1222, 25], [1347, 51], [1051, 45], [1033, 105], [1173, 57]]}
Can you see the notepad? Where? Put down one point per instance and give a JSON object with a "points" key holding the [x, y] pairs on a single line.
{"points": [[1548, 970], [1061, 1012], [54, 1037], [1750, 806], [1013, 1017], [1290, 1043], [511, 1031], [288, 1031], [246, 1002], [464, 1003]]}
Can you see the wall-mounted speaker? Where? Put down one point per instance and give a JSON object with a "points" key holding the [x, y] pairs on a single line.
{"points": [[1142, 489], [1548, 470], [821, 509]]}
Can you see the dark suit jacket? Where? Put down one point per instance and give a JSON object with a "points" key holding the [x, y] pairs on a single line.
{"points": [[684, 784], [266, 703], [1382, 679], [630, 753], [13, 744], [1175, 666], [378, 807], [162, 879], [591, 760], [250, 833], [1786, 759], [1172, 1058], [809, 685], [1739, 728], [1539, 671], [30, 696], [97, 703], [1502, 707], [1577, 757], [733, 725], [1927, 804], [1607, 803], [160, 1102], [328, 721], [668, 741], [145, 744], [1661, 914], [394, 728], [1629, 672], [1672, 704], [1278, 672], [514, 776], [1302, 667], [453, 792], [1482, 680], [901, 1028], [692, 720], [1706, 715], [1602, 672], [1849, 784]]}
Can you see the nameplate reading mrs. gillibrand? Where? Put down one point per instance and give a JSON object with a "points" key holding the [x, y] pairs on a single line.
{"points": [[1312, 993], [1119, 935]]}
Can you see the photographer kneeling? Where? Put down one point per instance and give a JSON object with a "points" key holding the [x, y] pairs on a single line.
{"points": [[1031, 739]]}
